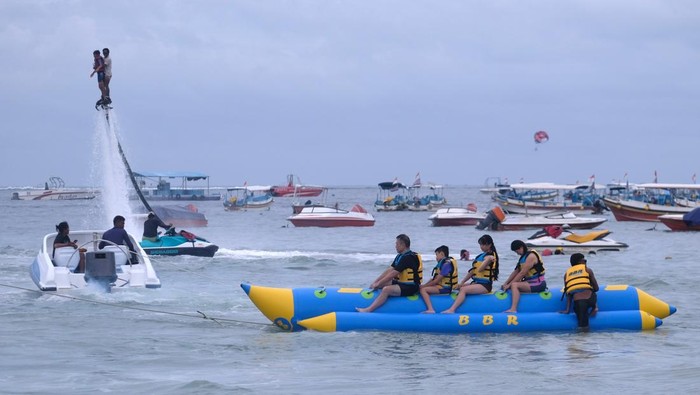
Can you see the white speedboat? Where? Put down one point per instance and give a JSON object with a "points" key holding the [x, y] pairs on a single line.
{"points": [[112, 267], [496, 219], [557, 238], [331, 217], [456, 216], [55, 189]]}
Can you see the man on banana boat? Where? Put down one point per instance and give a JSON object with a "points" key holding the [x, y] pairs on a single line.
{"points": [[402, 278], [444, 277], [580, 286], [483, 273], [528, 275]]}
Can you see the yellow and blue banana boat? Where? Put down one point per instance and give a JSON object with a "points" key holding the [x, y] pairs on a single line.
{"points": [[333, 309]]}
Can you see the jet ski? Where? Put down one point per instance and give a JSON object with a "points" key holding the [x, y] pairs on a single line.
{"points": [[179, 243], [563, 241]]}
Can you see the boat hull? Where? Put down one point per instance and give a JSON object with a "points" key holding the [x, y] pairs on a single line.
{"points": [[456, 216], [632, 210], [288, 307], [206, 251], [676, 223], [330, 222]]}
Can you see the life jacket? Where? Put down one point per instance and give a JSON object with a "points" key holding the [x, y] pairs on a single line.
{"points": [[537, 269], [410, 275], [490, 273], [452, 279], [576, 279]]}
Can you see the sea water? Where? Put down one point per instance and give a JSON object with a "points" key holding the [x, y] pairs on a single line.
{"points": [[156, 341], [200, 334]]}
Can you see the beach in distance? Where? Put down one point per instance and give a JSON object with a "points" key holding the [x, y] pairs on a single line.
{"points": [[200, 333]]}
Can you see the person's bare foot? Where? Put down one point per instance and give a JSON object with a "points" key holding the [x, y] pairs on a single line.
{"points": [[428, 312], [361, 310], [511, 311], [448, 311]]}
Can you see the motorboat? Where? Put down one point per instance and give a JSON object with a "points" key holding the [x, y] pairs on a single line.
{"points": [[248, 198], [391, 196], [179, 243], [682, 222], [110, 268], [331, 217], [296, 190], [328, 309], [557, 238], [496, 219], [457, 216], [55, 189]]}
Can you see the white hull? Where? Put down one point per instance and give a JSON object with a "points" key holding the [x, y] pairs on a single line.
{"points": [[329, 217], [55, 194], [59, 277]]}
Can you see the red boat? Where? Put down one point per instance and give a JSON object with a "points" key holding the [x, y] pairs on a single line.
{"points": [[297, 190], [678, 222]]}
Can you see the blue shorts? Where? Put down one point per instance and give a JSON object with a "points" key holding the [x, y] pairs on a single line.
{"points": [[444, 290], [100, 76]]}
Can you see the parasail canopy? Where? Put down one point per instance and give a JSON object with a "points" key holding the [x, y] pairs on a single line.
{"points": [[541, 137]]}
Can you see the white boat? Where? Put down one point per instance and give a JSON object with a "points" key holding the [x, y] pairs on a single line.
{"points": [[496, 219], [112, 267], [558, 238], [456, 216], [331, 217], [55, 189]]}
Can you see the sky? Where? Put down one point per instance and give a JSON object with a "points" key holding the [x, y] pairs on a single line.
{"points": [[356, 92]]}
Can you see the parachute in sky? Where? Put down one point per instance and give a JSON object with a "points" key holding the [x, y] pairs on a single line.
{"points": [[541, 137]]}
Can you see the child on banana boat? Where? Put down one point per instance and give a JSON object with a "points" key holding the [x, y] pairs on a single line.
{"points": [[445, 277], [580, 287]]}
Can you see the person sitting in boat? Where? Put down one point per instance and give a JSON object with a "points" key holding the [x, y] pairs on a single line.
{"points": [[580, 286], [483, 273], [63, 240], [150, 227], [528, 275], [402, 278], [445, 277], [117, 235]]}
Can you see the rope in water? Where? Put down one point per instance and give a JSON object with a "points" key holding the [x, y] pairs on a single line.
{"points": [[201, 315]]}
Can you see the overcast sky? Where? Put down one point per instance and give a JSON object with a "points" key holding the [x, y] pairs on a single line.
{"points": [[356, 92]]}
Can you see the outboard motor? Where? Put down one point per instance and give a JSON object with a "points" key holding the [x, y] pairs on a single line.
{"points": [[101, 269], [494, 217]]}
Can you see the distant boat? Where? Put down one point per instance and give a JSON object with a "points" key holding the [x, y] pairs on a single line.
{"points": [[331, 217], [457, 216], [646, 202], [556, 237], [55, 189], [248, 198], [296, 190], [158, 186]]}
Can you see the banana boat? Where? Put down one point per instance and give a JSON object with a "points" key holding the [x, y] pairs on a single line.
{"points": [[331, 309]]}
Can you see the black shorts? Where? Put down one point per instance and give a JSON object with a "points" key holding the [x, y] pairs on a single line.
{"points": [[408, 289], [488, 286], [539, 287]]}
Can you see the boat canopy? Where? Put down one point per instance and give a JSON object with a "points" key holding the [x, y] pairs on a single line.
{"points": [[189, 175], [251, 188], [692, 218]]}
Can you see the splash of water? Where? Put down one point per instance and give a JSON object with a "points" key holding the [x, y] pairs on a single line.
{"points": [[109, 172]]}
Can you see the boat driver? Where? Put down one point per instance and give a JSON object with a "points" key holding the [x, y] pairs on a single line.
{"points": [[150, 227]]}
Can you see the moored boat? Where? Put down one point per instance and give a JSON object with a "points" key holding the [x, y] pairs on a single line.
{"points": [[457, 216], [682, 222], [248, 198], [295, 190], [55, 189], [113, 267], [328, 309], [331, 217], [496, 219]]}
